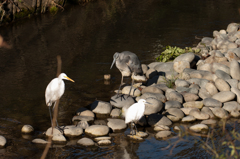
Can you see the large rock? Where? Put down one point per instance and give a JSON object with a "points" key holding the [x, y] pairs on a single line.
{"points": [[185, 57], [158, 119], [179, 66], [152, 89], [175, 114], [172, 104], [97, 130], [72, 130], [134, 91], [193, 104], [86, 142], [235, 70], [154, 106], [116, 124], [196, 113], [210, 102], [199, 127], [101, 107], [121, 101], [224, 96]]}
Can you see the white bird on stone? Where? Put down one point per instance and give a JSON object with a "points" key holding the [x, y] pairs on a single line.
{"points": [[135, 112], [55, 90]]}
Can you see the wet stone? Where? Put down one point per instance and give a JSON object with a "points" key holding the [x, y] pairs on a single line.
{"points": [[116, 124], [3, 141], [154, 107], [161, 128], [39, 141], [224, 96], [172, 104], [72, 130], [122, 100], [27, 129], [188, 118], [209, 122], [97, 130], [210, 102], [101, 107], [104, 142], [198, 127], [219, 112], [163, 134], [175, 114], [86, 142]]}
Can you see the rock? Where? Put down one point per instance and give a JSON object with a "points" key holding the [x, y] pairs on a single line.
{"points": [[161, 128], [193, 104], [39, 141], [83, 124], [232, 83], [173, 95], [224, 96], [135, 137], [188, 118], [196, 113], [152, 89], [116, 124], [198, 127], [175, 114], [72, 130], [179, 66], [231, 106], [208, 111], [163, 87], [115, 113], [163, 134], [192, 90], [172, 104], [237, 93], [154, 107], [142, 134], [186, 111], [190, 97], [211, 88], [101, 107], [203, 93], [3, 141], [59, 138], [185, 57], [232, 27], [104, 142], [157, 96], [82, 118], [218, 66], [196, 74], [139, 78], [27, 129], [151, 73], [134, 91], [102, 138], [55, 132], [201, 82], [210, 102], [85, 142], [122, 100], [158, 119], [219, 112], [85, 112], [171, 75], [223, 75], [205, 67], [182, 83], [97, 130], [163, 67], [142, 121], [235, 114], [100, 122], [144, 68], [209, 122], [153, 64]]}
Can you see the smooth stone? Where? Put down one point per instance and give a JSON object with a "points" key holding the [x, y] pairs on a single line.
{"points": [[223, 75], [172, 104], [209, 122], [232, 82], [187, 90], [122, 100], [210, 102], [82, 118], [163, 134], [185, 57], [158, 119], [230, 55], [161, 128], [72, 130], [116, 124], [179, 66], [157, 96], [59, 138], [171, 75], [139, 78], [163, 87], [39, 141], [97, 130], [152, 89], [3, 141], [142, 134], [231, 106], [201, 82], [104, 142], [134, 91], [208, 111], [173, 95], [102, 138], [219, 112], [135, 137], [175, 114], [235, 114], [86, 142], [195, 86], [85, 112], [205, 67], [83, 124], [211, 88], [151, 73], [207, 75], [203, 93], [218, 66], [55, 132], [225, 96], [163, 67], [232, 27], [196, 74], [188, 118], [154, 106], [182, 83], [115, 113], [27, 129], [193, 104], [235, 69], [196, 113], [198, 127], [186, 111], [101, 107], [153, 64], [237, 93], [144, 68], [184, 76], [190, 97], [222, 85]]}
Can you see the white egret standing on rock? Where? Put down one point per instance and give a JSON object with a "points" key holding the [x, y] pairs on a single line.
{"points": [[135, 112], [55, 90], [128, 64]]}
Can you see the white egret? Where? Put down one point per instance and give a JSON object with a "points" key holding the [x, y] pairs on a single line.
{"points": [[55, 90], [128, 64], [135, 112]]}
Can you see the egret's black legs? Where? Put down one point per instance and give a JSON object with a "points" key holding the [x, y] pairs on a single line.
{"points": [[132, 128]]}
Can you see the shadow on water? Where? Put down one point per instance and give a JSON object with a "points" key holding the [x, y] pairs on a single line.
{"points": [[86, 38]]}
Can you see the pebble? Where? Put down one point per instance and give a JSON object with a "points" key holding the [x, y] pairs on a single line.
{"points": [[198, 127], [39, 141], [116, 124], [27, 129], [188, 118], [86, 142], [193, 104], [3, 141], [163, 134], [224, 96], [101, 107]]}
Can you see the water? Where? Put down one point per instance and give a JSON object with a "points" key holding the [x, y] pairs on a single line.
{"points": [[86, 38]]}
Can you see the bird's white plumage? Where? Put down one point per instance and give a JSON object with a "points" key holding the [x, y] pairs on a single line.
{"points": [[135, 111]]}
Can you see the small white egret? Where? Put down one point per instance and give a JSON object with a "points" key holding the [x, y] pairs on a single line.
{"points": [[55, 90], [135, 112]]}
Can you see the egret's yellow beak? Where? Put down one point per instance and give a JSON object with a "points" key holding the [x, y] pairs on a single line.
{"points": [[69, 79]]}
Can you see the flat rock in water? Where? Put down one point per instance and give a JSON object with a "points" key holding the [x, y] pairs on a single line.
{"points": [[39, 141], [82, 118], [115, 113], [155, 106], [102, 138], [72, 130], [161, 128], [3, 141], [193, 104], [142, 134], [225, 96], [116, 124], [210, 102], [198, 127], [209, 122], [59, 138], [104, 142], [121, 101], [134, 91], [163, 134], [186, 111], [101, 107], [55, 132], [158, 119], [97, 130], [27, 129], [172, 104], [86, 142], [196, 113], [188, 118]]}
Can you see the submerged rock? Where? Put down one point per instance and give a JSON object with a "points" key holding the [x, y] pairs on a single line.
{"points": [[27, 129], [97, 130], [86, 142]]}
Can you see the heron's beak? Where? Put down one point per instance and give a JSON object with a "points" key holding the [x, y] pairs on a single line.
{"points": [[113, 63], [69, 79]]}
